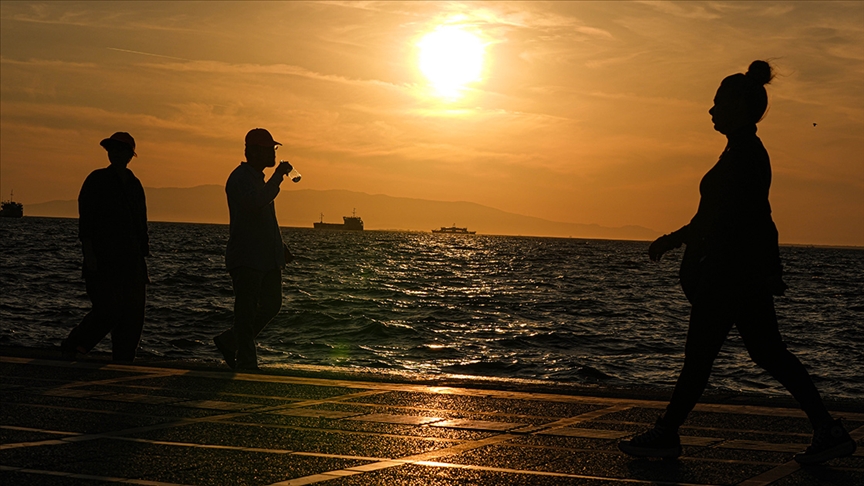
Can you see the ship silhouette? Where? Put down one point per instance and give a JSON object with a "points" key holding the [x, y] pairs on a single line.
{"points": [[349, 223], [453, 230], [11, 209]]}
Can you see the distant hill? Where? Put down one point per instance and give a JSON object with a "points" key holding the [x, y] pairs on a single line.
{"points": [[206, 204]]}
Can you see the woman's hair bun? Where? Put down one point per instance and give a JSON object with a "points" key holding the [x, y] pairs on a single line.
{"points": [[760, 72]]}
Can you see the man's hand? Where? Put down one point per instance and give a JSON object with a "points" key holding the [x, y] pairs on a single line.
{"points": [[662, 245], [284, 168], [289, 257]]}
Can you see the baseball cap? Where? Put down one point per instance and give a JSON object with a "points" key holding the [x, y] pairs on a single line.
{"points": [[260, 137], [119, 137]]}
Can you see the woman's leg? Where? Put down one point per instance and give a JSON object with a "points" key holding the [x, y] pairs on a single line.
{"points": [[709, 325], [757, 324]]}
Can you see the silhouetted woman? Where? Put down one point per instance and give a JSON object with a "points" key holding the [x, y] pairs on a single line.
{"points": [[730, 272]]}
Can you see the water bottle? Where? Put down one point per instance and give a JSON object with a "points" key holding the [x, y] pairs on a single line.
{"points": [[293, 175]]}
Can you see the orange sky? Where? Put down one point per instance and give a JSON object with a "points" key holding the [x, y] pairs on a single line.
{"points": [[587, 112]]}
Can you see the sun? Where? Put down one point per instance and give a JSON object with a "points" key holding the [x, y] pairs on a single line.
{"points": [[451, 58]]}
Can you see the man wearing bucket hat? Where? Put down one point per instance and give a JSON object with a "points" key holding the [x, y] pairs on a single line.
{"points": [[112, 227], [255, 254]]}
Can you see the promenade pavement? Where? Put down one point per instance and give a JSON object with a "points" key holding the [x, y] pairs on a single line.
{"points": [[94, 422]]}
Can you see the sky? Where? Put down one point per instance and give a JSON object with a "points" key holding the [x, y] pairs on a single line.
{"points": [[581, 112]]}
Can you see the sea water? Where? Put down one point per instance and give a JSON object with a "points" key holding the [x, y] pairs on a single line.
{"points": [[551, 309]]}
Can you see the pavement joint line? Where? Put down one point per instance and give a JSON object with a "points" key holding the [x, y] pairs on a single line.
{"points": [[41, 431], [401, 387], [111, 381], [107, 479]]}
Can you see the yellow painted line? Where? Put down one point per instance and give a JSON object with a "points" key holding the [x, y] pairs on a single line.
{"points": [[90, 477], [41, 431]]}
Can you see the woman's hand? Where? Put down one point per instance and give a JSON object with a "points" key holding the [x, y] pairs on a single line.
{"points": [[662, 245]]}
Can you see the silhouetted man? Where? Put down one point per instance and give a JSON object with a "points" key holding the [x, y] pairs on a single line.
{"points": [[255, 254], [112, 227]]}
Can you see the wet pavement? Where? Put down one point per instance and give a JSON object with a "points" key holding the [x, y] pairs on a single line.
{"points": [[88, 423]]}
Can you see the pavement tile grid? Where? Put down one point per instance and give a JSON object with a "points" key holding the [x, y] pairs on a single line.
{"points": [[86, 423]]}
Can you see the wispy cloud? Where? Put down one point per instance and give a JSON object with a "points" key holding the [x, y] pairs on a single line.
{"points": [[145, 53]]}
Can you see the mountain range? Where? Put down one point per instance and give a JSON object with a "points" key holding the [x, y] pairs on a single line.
{"points": [[206, 204]]}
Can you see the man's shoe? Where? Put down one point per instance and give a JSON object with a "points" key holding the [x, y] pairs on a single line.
{"points": [[661, 441], [830, 441], [227, 354], [248, 367]]}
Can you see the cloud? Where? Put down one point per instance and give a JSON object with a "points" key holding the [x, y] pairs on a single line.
{"points": [[684, 10], [146, 53], [218, 67], [46, 13]]}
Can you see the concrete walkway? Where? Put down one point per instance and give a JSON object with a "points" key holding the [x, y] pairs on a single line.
{"points": [[87, 423]]}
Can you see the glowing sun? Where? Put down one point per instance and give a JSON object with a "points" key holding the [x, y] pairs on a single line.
{"points": [[451, 59]]}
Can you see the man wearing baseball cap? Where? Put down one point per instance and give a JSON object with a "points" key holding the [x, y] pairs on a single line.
{"points": [[112, 227], [255, 254]]}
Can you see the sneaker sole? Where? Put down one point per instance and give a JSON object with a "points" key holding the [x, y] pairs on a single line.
{"points": [[840, 450], [636, 451]]}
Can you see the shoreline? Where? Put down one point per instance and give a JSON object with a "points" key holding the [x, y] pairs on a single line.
{"points": [[466, 382]]}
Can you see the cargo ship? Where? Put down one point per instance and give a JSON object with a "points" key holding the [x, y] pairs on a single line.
{"points": [[11, 209], [453, 230], [349, 223]]}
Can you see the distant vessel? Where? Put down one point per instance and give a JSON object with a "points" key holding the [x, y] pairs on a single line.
{"points": [[11, 209], [453, 230], [350, 223]]}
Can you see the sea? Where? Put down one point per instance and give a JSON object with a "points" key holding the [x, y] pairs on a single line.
{"points": [[549, 310]]}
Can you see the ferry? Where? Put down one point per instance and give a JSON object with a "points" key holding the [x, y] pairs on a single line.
{"points": [[11, 209], [453, 230], [349, 223]]}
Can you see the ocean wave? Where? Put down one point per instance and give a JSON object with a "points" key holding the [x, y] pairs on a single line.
{"points": [[507, 307]]}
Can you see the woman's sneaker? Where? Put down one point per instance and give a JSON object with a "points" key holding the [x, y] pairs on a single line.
{"points": [[661, 441], [830, 441]]}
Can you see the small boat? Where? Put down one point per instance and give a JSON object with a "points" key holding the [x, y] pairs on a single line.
{"points": [[11, 209], [453, 230], [349, 223]]}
